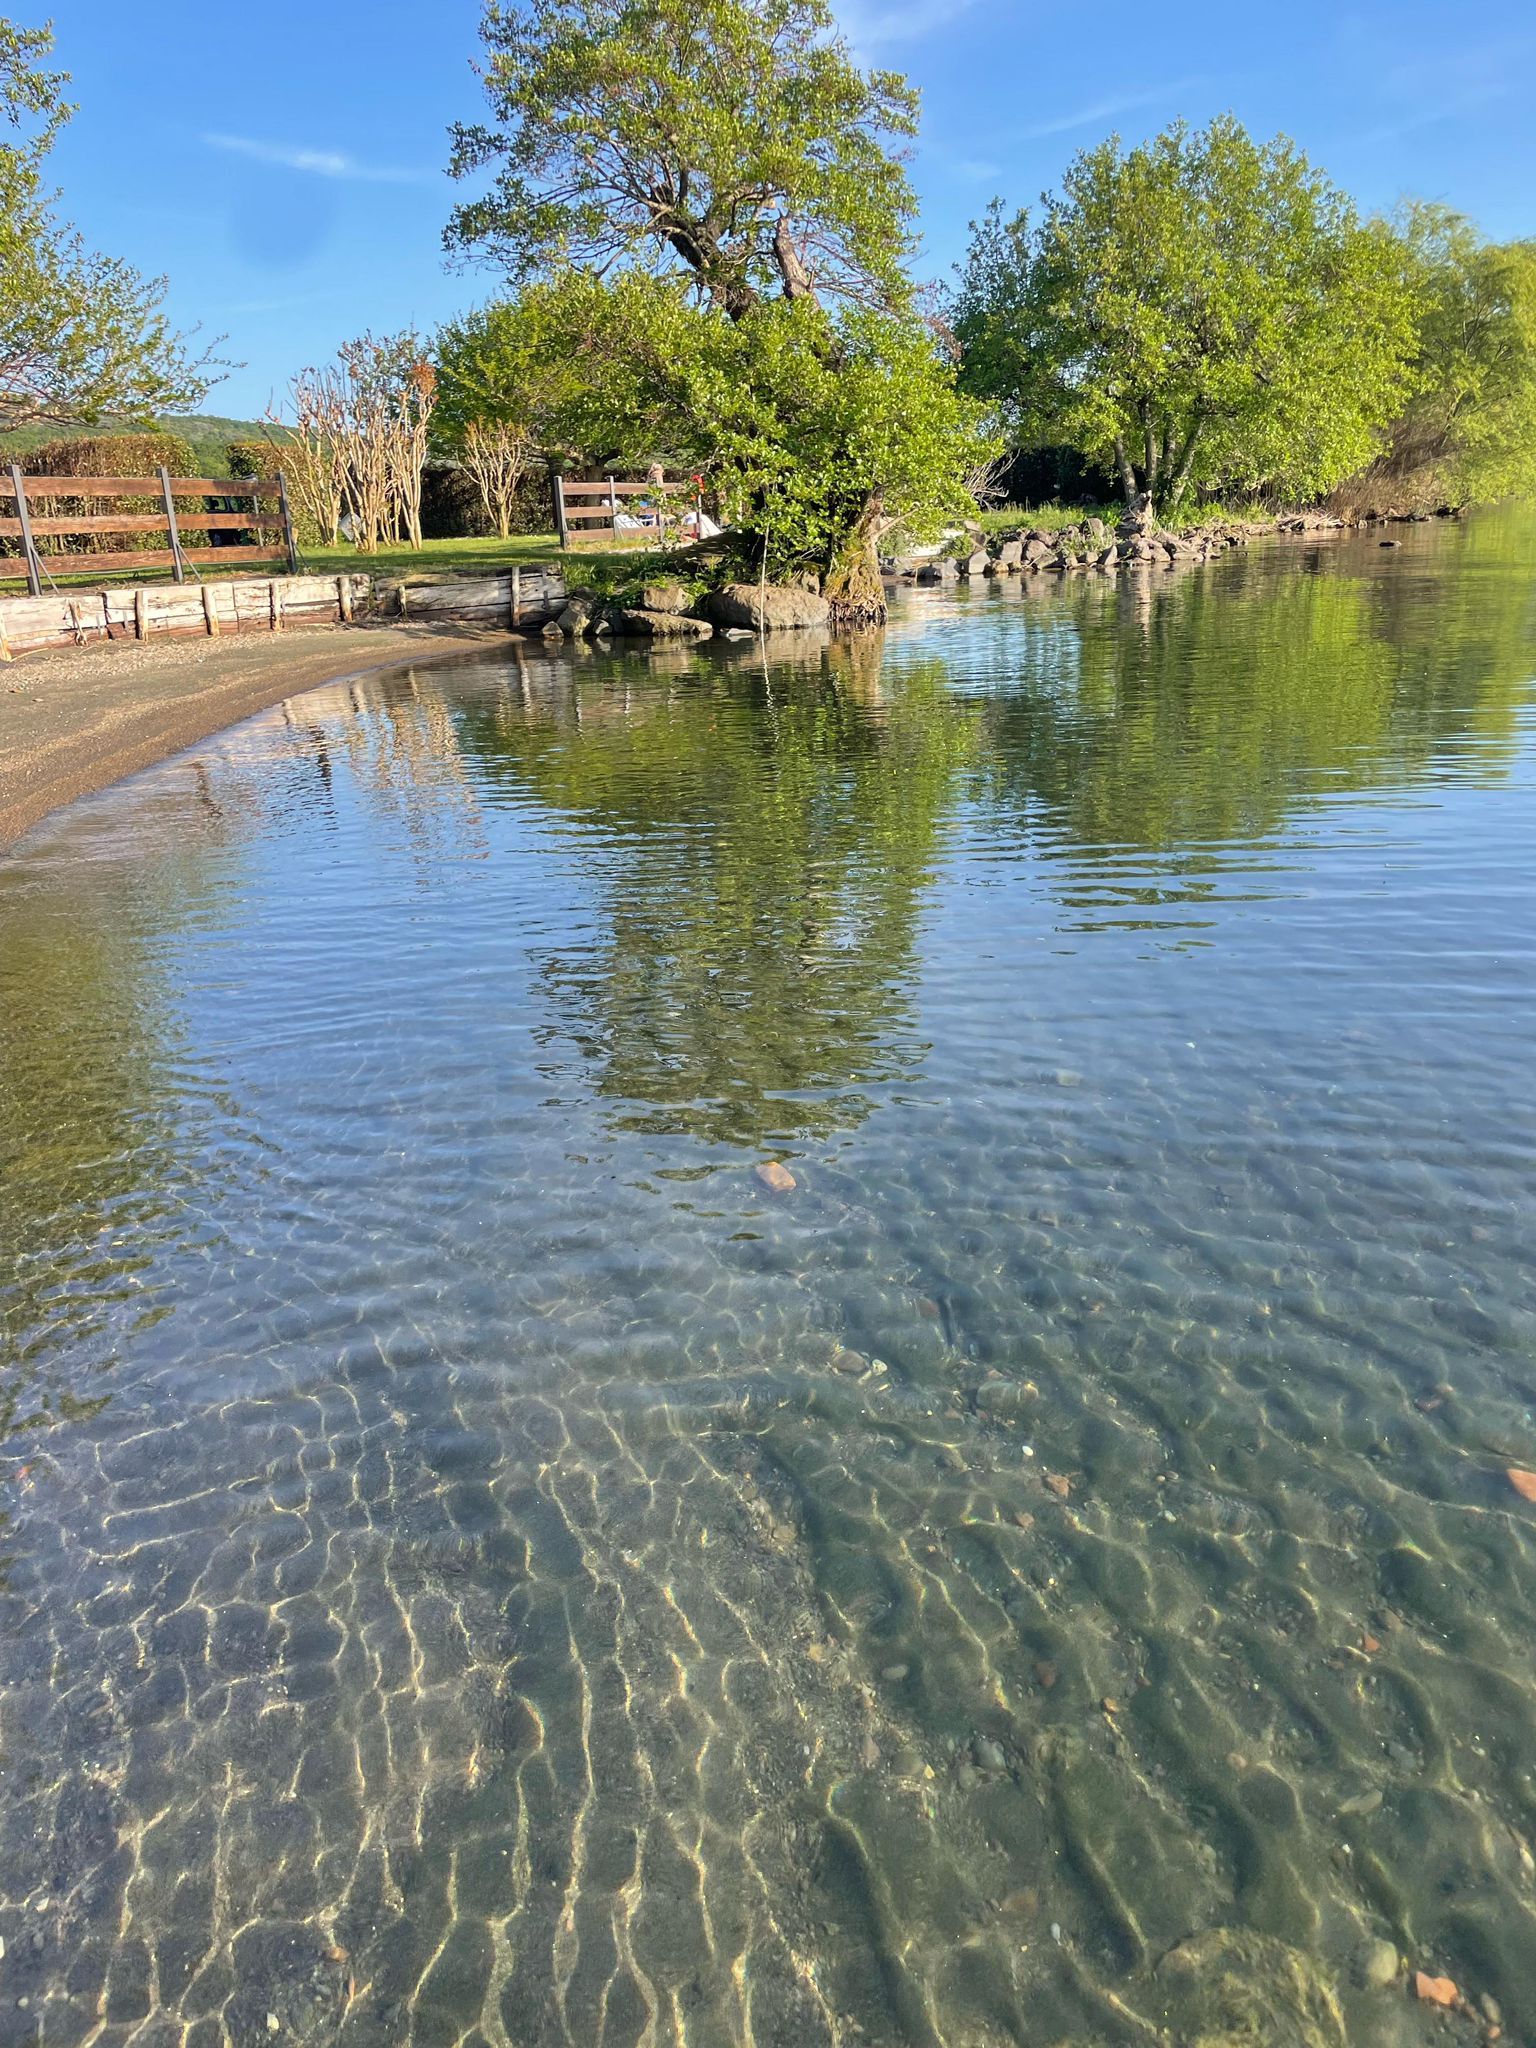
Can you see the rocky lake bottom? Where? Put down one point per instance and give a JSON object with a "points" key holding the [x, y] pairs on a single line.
{"points": [[479, 1564]]}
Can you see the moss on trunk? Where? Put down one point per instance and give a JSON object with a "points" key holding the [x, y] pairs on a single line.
{"points": [[852, 585]]}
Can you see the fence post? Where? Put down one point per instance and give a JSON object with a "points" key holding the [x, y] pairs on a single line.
{"points": [[282, 499], [178, 560], [560, 525], [515, 597], [613, 510], [18, 485]]}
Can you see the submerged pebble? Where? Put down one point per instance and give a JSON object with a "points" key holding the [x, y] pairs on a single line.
{"points": [[1379, 1965]]}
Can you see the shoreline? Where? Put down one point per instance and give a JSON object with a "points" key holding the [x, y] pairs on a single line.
{"points": [[75, 721]]}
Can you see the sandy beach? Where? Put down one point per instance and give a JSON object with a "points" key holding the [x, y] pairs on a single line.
{"points": [[74, 721]]}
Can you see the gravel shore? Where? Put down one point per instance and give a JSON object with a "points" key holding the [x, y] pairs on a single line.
{"points": [[73, 721]]}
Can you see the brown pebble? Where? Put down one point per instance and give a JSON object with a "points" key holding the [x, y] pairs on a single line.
{"points": [[927, 1307], [1110, 1706], [1061, 1485], [1434, 1990], [1428, 1403], [1370, 1644], [1046, 1674], [1524, 1483], [1024, 1521], [773, 1175]]}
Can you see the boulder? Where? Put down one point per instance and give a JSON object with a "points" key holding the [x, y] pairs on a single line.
{"points": [[575, 618], [1097, 532], [665, 597], [641, 621], [1109, 556], [975, 565], [771, 607], [1010, 554]]}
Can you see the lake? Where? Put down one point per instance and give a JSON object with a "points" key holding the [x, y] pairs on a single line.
{"points": [[480, 1566]]}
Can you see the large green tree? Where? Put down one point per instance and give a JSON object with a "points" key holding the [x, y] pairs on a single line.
{"points": [[735, 140], [1200, 309], [82, 335], [822, 432], [1469, 430]]}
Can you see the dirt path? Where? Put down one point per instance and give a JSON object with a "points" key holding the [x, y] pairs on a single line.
{"points": [[72, 721]]}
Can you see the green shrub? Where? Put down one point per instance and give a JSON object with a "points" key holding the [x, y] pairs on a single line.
{"points": [[109, 455]]}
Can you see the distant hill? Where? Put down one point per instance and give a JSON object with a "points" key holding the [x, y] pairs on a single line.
{"points": [[209, 434]]}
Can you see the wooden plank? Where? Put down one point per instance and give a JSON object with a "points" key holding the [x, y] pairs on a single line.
{"points": [[19, 493], [287, 518], [142, 522], [72, 567], [149, 487], [607, 490]]}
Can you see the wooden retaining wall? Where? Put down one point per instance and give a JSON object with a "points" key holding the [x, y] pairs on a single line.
{"points": [[155, 611]]}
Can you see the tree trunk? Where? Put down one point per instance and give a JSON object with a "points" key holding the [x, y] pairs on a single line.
{"points": [[1127, 473], [852, 585], [1182, 467], [1149, 452], [796, 278]]}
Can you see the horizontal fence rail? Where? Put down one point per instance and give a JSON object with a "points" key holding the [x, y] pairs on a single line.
{"points": [[267, 498], [591, 509]]}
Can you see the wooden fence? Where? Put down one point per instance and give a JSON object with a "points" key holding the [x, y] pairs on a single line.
{"points": [[267, 498], [590, 510]]}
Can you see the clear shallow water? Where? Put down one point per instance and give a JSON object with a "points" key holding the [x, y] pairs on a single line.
{"points": [[478, 1567]]}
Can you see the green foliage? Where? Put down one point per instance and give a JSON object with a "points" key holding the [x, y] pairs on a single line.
{"points": [[82, 335], [796, 417], [503, 364], [110, 455], [132, 455], [735, 139], [1202, 309], [1470, 428]]}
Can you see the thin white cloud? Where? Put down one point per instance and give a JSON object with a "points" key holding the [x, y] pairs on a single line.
{"points": [[318, 163], [871, 27], [1108, 110]]}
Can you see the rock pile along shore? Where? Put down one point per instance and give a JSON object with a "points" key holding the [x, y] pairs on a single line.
{"points": [[1136, 542]]}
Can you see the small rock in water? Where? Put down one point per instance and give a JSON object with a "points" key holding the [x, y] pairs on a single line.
{"points": [[1490, 2008], [1024, 1521], [1524, 1483], [773, 1175], [1066, 1078], [1378, 1966], [1046, 1675], [1363, 1802], [850, 1362], [895, 1673], [1059, 1484], [1434, 1990], [989, 1754]]}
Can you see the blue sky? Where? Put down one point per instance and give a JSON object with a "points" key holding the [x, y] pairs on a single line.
{"points": [[284, 164]]}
